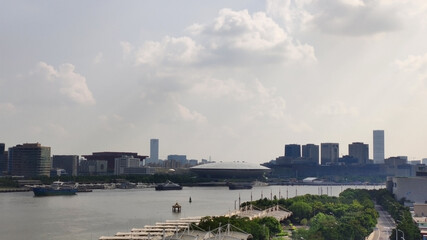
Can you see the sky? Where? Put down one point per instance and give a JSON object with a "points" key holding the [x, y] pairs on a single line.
{"points": [[226, 80]]}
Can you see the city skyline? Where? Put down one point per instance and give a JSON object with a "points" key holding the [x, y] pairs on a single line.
{"points": [[234, 81], [293, 150]]}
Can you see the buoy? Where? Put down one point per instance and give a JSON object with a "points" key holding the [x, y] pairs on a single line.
{"points": [[190, 200]]}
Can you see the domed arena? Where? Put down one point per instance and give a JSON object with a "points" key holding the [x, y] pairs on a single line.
{"points": [[230, 170]]}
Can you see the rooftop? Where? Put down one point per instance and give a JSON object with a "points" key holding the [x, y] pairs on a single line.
{"points": [[231, 165]]}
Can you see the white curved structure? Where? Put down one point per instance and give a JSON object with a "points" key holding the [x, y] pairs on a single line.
{"points": [[230, 170]]}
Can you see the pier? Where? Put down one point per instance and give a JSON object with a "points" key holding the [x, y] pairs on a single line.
{"points": [[162, 230], [157, 231]]}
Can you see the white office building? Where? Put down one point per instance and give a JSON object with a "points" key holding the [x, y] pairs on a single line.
{"points": [[121, 163], [378, 146]]}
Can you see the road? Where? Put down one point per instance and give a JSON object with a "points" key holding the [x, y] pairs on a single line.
{"points": [[384, 226]]}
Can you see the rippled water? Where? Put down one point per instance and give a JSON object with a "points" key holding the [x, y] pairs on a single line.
{"points": [[105, 212]]}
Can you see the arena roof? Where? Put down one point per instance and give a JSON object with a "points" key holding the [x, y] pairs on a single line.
{"points": [[231, 165]]}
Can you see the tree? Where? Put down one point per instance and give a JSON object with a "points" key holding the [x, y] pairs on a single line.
{"points": [[271, 223], [300, 210]]}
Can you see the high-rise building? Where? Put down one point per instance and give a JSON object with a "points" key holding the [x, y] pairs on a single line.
{"points": [[329, 153], [310, 152], [378, 146], [154, 151], [29, 160], [293, 151], [3, 159], [359, 151], [69, 163]]}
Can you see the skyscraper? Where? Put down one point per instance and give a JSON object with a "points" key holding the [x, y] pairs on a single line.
{"points": [[378, 146], [360, 151], [330, 153], [293, 151], [3, 159], [311, 153], [29, 160], [69, 163], [154, 150]]}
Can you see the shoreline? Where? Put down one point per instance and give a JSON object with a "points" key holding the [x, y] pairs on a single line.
{"points": [[6, 190]]}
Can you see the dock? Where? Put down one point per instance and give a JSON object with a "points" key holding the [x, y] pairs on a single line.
{"points": [[172, 228], [157, 231]]}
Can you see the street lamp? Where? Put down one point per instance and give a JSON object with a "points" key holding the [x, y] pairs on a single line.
{"points": [[397, 233]]}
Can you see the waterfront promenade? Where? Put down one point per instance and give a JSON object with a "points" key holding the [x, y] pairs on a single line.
{"points": [[166, 229]]}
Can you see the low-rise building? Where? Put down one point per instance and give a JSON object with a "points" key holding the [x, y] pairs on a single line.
{"points": [[413, 189], [123, 162], [69, 163], [93, 167]]}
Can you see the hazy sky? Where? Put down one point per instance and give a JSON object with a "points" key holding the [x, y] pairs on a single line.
{"points": [[234, 80]]}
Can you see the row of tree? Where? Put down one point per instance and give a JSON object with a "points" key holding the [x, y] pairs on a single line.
{"points": [[400, 214]]}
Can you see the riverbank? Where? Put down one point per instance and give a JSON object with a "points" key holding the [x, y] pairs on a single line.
{"points": [[6, 190], [108, 211]]}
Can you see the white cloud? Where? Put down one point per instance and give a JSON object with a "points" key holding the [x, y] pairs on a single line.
{"points": [[413, 63], [339, 17], [292, 13], [233, 37], [238, 35], [188, 115], [170, 51], [45, 71], [68, 82], [240, 30]]}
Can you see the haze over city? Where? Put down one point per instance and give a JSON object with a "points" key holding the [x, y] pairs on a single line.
{"points": [[232, 80]]}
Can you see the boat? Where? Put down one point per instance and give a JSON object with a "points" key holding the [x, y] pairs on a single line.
{"points": [[235, 186], [168, 186], [55, 189]]}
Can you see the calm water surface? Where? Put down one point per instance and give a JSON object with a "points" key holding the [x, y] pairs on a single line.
{"points": [[105, 212]]}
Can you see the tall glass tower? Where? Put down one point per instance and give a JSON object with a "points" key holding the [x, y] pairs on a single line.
{"points": [[378, 146], [154, 150]]}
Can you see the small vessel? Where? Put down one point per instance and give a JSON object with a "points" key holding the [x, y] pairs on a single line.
{"points": [[168, 186], [55, 189], [235, 186]]}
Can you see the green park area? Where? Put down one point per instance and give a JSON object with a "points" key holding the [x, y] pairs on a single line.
{"points": [[352, 215]]}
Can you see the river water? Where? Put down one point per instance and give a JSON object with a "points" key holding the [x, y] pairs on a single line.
{"points": [[87, 216]]}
